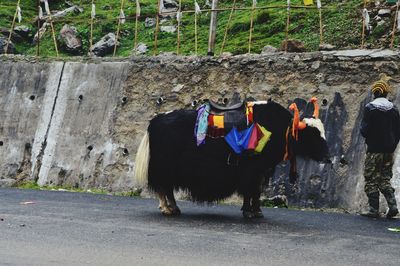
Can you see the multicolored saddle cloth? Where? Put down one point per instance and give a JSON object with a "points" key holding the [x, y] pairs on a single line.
{"points": [[220, 124], [252, 139], [215, 121], [234, 123]]}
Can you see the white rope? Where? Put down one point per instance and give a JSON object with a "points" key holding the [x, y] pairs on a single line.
{"points": [[122, 16], [162, 7], [46, 7], [254, 3], [40, 12], [366, 19], [319, 6], [288, 4], [197, 8], [178, 16], [93, 13], [137, 8], [398, 21], [19, 14]]}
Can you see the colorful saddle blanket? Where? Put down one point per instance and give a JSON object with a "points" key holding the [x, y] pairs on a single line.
{"points": [[251, 139], [234, 123], [220, 124]]}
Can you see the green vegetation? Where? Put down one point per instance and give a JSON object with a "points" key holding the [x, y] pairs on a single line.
{"points": [[342, 25]]}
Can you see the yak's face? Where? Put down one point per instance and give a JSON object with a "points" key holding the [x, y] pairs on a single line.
{"points": [[311, 141]]}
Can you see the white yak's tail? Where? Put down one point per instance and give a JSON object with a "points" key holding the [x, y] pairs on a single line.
{"points": [[142, 162]]}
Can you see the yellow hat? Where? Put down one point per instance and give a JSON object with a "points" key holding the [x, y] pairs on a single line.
{"points": [[382, 85]]}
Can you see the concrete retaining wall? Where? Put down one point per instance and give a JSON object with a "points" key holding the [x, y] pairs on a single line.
{"points": [[78, 124]]}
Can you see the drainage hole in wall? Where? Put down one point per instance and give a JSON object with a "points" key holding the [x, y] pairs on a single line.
{"points": [[32, 97], [343, 160], [324, 102], [90, 147], [80, 97], [160, 101], [1, 143], [125, 152], [124, 99]]}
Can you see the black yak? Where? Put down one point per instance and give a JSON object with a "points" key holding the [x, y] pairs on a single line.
{"points": [[168, 158]]}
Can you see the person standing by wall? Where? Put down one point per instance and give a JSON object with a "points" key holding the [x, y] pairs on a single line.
{"points": [[381, 129]]}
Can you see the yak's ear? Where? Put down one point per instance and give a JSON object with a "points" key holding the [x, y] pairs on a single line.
{"points": [[301, 105], [309, 110]]}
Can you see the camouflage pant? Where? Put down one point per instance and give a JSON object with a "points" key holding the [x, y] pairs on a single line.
{"points": [[378, 172]]}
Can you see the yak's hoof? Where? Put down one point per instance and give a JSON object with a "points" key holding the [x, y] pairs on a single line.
{"points": [[248, 214], [168, 211], [258, 214], [176, 211]]}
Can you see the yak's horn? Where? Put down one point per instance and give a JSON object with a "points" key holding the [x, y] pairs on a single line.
{"points": [[316, 107], [296, 120]]}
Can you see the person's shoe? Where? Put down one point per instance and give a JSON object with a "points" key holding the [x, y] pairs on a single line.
{"points": [[371, 214], [391, 201], [373, 201], [392, 213]]}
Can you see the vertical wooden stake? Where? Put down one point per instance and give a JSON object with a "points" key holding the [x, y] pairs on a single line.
{"points": [[54, 35], [195, 32], [363, 26], [91, 30], [213, 28], [251, 25], [179, 14], [321, 34], [118, 27], [227, 26], [157, 26], [394, 25], [287, 27], [12, 28], [136, 29], [38, 26]]}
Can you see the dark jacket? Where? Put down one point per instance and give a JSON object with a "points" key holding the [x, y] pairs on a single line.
{"points": [[381, 126]]}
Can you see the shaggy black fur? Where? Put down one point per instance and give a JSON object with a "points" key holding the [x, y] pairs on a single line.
{"points": [[212, 171]]}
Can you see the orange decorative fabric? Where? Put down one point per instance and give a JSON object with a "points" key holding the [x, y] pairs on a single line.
{"points": [[316, 107], [296, 121]]}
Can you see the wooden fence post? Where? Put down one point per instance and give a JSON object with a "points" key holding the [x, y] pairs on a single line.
{"points": [[195, 27], [251, 23], [92, 17], [213, 28], [38, 31], [227, 26], [137, 15], [12, 28], [178, 18], [321, 26], [363, 25], [287, 25], [157, 27], [120, 21], [394, 25]]}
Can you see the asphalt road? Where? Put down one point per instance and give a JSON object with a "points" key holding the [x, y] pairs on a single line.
{"points": [[65, 228]]}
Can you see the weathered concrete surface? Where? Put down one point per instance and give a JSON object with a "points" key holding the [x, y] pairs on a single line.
{"points": [[92, 142], [24, 90], [80, 150]]}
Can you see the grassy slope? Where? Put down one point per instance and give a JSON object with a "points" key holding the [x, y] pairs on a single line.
{"points": [[342, 25]]}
